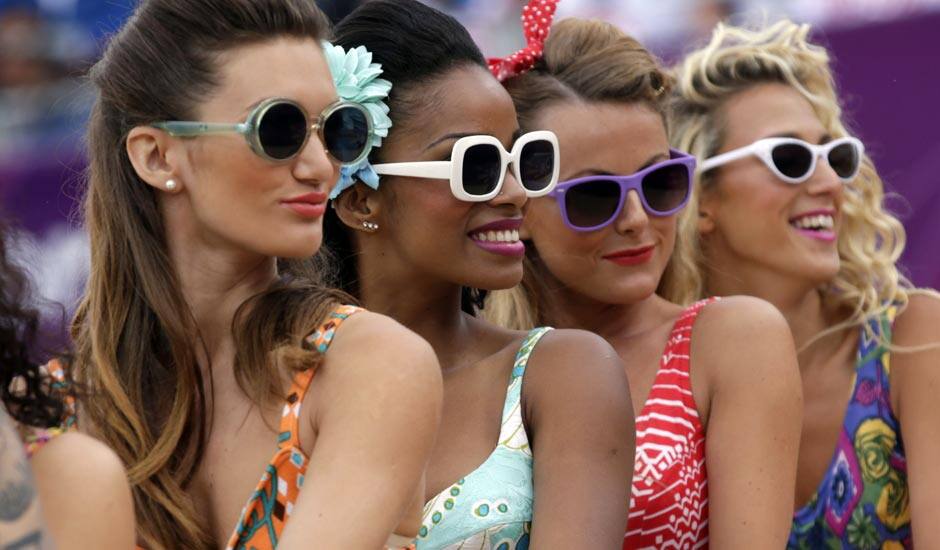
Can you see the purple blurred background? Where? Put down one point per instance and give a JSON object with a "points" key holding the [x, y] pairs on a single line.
{"points": [[884, 54]]}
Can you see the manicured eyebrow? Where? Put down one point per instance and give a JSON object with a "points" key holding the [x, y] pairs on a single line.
{"points": [[658, 157], [455, 135]]}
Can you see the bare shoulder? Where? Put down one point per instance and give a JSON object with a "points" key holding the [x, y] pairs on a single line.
{"points": [[916, 363], [568, 363], [372, 350], [918, 324], [79, 458], [84, 492], [739, 330], [735, 316], [578, 351]]}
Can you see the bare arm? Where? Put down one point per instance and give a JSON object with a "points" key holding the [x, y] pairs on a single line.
{"points": [[381, 392], [86, 498], [916, 379], [21, 522], [746, 351], [580, 421]]}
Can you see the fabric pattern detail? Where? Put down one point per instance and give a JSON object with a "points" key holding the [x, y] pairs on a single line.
{"points": [[490, 508], [35, 438], [863, 500], [264, 516], [669, 496]]}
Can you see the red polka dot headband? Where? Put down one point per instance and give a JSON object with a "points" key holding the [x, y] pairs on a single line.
{"points": [[537, 18]]}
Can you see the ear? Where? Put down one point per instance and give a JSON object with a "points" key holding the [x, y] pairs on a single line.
{"points": [[155, 157], [357, 205], [708, 202]]}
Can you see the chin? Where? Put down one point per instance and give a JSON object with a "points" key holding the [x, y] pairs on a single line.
{"points": [[297, 249], [497, 279], [622, 293]]}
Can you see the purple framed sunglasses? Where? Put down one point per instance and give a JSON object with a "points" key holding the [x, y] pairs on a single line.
{"points": [[594, 202]]}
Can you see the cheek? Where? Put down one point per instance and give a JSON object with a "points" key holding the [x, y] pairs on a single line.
{"points": [[570, 256], [236, 195], [427, 221]]}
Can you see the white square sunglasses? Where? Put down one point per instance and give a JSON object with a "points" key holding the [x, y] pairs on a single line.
{"points": [[478, 164]]}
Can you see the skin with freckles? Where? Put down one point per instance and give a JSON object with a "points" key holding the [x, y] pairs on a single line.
{"points": [[743, 366], [413, 268], [752, 247]]}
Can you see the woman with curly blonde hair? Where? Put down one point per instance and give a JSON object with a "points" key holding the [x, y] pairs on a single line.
{"points": [[713, 435], [788, 208]]}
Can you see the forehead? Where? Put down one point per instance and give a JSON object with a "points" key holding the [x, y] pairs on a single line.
{"points": [[464, 99], [288, 67], [617, 138], [765, 110]]}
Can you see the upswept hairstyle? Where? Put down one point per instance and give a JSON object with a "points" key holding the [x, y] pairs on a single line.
{"points": [[871, 239], [584, 61], [136, 339], [415, 45], [25, 390]]}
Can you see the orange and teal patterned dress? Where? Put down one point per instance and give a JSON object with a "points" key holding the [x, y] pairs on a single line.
{"points": [[267, 511], [863, 500]]}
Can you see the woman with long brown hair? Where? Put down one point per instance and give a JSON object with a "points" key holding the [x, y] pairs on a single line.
{"points": [[214, 142]]}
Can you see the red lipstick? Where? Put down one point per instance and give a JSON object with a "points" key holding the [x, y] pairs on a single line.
{"points": [[308, 205], [633, 256]]}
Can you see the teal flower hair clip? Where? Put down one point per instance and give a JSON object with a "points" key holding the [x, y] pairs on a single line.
{"points": [[357, 79]]}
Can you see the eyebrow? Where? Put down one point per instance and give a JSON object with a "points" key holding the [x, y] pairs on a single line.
{"points": [[458, 135], [455, 135], [658, 157], [825, 138]]}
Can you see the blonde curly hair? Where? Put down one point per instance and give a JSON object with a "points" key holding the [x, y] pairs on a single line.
{"points": [[871, 239]]}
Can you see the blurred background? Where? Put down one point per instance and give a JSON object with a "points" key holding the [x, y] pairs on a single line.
{"points": [[885, 58]]}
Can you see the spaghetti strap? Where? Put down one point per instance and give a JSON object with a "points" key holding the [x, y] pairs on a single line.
{"points": [[319, 340], [269, 507]]}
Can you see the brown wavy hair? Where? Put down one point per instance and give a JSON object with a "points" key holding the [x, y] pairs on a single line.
{"points": [[583, 60], [135, 337]]}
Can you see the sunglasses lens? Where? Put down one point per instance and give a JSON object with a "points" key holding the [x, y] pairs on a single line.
{"points": [[537, 164], [282, 130], [793, 161], [666, 188], [592, 203], [482, 165], [844, 160], [346, 134]]}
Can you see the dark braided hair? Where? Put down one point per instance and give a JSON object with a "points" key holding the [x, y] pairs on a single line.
{"points": [[25, 391]]}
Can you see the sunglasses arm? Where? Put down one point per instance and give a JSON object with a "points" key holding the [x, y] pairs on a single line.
{"points": [[433, 170], [725, 158], [188, 129]]}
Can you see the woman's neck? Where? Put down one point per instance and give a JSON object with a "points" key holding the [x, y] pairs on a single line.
{"points": [[429, 307], [611, 321], [215, 281]]}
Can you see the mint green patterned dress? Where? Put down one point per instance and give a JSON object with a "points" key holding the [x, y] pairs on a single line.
{"points": [[490, 508]]}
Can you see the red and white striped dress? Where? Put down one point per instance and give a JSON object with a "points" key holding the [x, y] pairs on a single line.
{"points": [[669, 500]]}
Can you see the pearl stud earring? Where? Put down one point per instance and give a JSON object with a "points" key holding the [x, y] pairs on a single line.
{"points": [[170, 185]]}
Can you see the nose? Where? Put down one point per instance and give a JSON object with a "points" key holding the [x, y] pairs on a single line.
{"points": [[824, 180], [512, 193], [633, 217], [314, 165]]}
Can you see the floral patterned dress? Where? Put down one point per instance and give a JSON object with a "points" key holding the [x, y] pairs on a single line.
{"points": [[863, 500]]}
